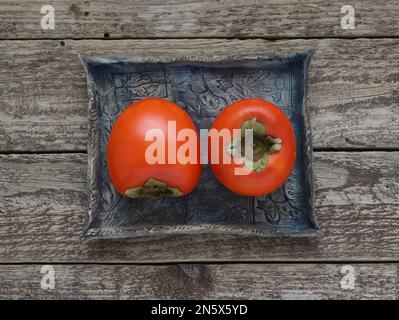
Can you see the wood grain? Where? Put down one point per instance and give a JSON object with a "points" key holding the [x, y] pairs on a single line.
{"points": [[194, 18], [354, 103], [202, 281], [43, 205], [353, 93]]}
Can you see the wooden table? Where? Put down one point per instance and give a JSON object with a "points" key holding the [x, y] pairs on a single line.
{"points": [[354, 101]]}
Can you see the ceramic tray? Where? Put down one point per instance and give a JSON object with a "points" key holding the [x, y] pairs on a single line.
{"points": [[203, 89]]}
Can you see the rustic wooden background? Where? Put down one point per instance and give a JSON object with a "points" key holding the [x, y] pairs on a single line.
{"points": [[354, 101]]}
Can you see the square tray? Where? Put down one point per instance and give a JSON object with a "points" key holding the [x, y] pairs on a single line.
{"points": [[203, 88]]}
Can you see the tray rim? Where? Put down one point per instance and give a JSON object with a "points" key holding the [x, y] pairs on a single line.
{"points": [[93, 154], [172, 230]]}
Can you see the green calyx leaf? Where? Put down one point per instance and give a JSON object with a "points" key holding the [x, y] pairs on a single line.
{"points": [[153, 188], [263, 146], [258, 127]]}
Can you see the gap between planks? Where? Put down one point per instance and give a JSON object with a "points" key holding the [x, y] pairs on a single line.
{"points": [[210, 262]]}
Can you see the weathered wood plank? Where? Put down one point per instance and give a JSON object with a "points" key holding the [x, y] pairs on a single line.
{"points": [[353, 92], [203, 281], [43, 205], [239, 18]]}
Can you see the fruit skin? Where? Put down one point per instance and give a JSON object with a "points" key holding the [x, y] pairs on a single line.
{"points": [[280, 163], [127, 166]]}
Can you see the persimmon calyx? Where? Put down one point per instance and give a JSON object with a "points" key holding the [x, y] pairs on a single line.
{"points": [[263, 146], [153, 188]]}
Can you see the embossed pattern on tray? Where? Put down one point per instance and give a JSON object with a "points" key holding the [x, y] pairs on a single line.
{"points": [[203, 89]]}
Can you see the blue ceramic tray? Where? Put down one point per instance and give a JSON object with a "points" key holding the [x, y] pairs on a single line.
{"points": [[203, 88]]}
